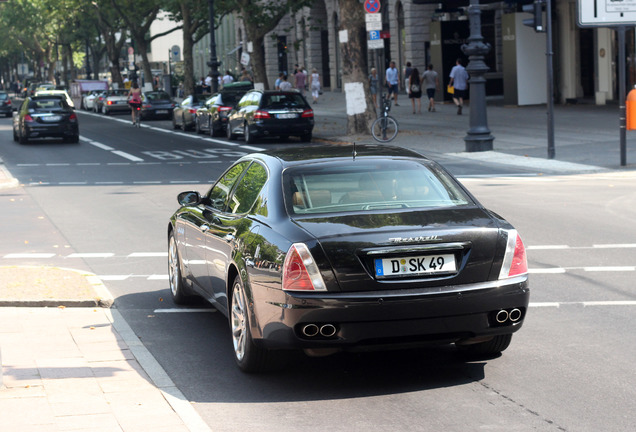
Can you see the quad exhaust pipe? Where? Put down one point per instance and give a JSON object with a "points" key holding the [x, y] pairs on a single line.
{"points": [[509, 316], [324, 330]]}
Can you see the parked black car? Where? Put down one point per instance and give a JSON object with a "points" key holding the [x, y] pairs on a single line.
{"points": [[267, 113], [6, 106], [44, 117], [327, 248], [156, 104], [184, 115], [212, 115]]}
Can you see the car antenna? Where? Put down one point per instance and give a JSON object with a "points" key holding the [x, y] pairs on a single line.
{"points": [[354, 151]]}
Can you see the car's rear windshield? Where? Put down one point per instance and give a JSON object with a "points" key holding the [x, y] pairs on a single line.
{"points": [[283, 100], [118, 93], [361, 186], [229, 98], [4, 96], [48, 104], [158, 96]]}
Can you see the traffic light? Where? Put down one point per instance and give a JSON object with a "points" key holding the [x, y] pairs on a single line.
{"points": [[536, 9]]}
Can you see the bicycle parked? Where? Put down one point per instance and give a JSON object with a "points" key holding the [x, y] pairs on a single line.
{"points": [[385, 127]]}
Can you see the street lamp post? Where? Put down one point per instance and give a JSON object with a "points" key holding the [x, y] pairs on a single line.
{"points": [[478, 137], [213, 63]]}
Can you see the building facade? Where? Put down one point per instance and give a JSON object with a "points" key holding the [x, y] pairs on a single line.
{"points": [[584, 59]]}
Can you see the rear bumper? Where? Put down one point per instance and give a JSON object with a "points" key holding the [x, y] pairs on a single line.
{"points": [[55, 131], [276, 128], [455, 314]]}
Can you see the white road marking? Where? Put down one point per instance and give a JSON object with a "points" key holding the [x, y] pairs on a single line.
{"points": [[185, 310], [147, 255], [127, 156], [584, 303], [29, 255]]}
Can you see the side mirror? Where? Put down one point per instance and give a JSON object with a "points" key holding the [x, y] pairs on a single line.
{"points": [[189, 198]]}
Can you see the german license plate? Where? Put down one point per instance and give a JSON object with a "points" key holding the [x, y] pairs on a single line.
{"points": [[415, 265], [162, 111], [53, 118], [286, 116]]}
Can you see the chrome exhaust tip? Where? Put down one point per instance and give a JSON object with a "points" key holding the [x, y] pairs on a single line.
{"points": [[502, 316], [328, 330], [311, 330], [515, 315]]}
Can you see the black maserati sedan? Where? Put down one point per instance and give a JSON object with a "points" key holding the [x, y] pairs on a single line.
{"points": [[331, 248]]}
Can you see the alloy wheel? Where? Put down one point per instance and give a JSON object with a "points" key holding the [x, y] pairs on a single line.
{"points": [[239, 322]]}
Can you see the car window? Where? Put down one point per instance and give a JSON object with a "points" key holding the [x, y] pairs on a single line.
{"points": [[283, 101], [47, 104], [3, 96], [401, 184], [248, 188], [228, 99], [218, 195], [245, 101], [157, 96]]}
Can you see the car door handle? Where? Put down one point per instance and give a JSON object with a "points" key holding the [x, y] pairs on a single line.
{"points": [[205, 228]]}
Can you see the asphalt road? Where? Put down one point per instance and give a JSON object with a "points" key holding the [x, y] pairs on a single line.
{"points": [[103, 206]]}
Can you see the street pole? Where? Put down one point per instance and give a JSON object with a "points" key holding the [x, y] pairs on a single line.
{"points": [[478, 137], [550, 72], [622, 94], [213, 63]]}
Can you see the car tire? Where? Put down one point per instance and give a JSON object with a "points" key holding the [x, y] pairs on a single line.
{"points": [[197, 126], [305, 137], [249, 138], [177, 287], [213, 132], [490, 348], [174, 122], [249, 357], [74, 139], [104, 110], [228, 132]]}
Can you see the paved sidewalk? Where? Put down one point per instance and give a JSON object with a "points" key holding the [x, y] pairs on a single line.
{"points": [[83, 369]]}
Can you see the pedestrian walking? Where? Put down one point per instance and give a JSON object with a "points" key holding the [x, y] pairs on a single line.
{"points": [[373, 86], [459, 80], [392, 78], [431, 82], [279, 80], [284, 84], [414, 88], [315, 85], [407, 73], [301, 81]]}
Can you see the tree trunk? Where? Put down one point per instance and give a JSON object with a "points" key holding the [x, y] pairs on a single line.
{"points": [[360, 110], [188, 44], [257, 60]]}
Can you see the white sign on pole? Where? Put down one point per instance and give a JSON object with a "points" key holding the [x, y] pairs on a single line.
{"points": [[374, 25], [606, 13], [373, 17], [375, 44], [245, 58]]}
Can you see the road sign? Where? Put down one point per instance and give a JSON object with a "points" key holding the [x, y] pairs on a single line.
{"points": [[375, 44], [606, 13], [372, 6], [372, 17], [373, 35], [371, 26]]}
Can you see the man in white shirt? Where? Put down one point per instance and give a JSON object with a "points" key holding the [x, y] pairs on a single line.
{"points": [[227, 78], [392, 78]]}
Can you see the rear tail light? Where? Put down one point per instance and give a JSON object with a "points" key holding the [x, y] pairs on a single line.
{"points": [[7, 102], [192, 110], [308, 114], [28, 118], [300, 272], [261, 115], [147, 106], [73, 117], [109, 102], [515, 262]]}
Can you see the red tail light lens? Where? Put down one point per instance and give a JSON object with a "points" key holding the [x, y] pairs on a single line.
{"points": [[261, 115], [308, 114], [300, 272], [73, 117], [192, 110], [109, 102], [515, 262], [7, 102], [28, 118]]}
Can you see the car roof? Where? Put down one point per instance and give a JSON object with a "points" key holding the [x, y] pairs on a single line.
{"points": [[289, 156]]}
